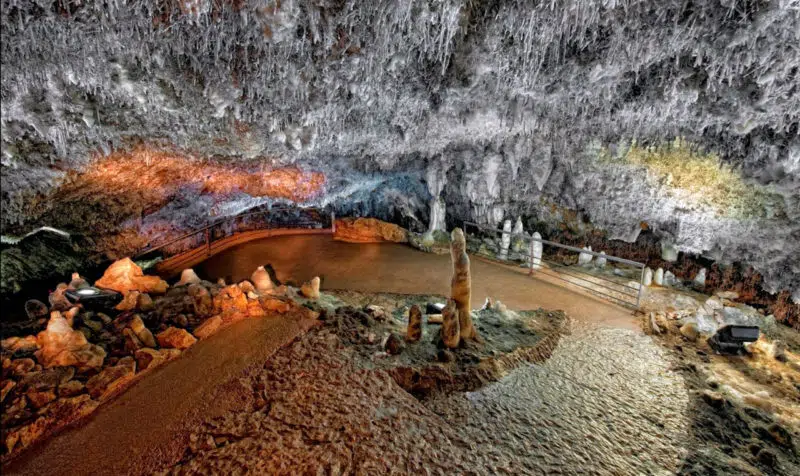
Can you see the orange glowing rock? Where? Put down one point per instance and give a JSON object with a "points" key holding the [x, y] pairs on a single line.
{"points": [[174, 338], [231, 303], [271, 304], [368, 230], [61, 345], [124, 275], [209, 327]]}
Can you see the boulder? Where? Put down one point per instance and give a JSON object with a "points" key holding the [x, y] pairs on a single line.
{"points": [[36, 309], [209, 327], [311, 288], [658, 277], [152, 358], [188, 276], [648, 277], [368, 230], [261, 280], [201, 299], [174, 338], [585, 258], [142, 332], [125, 275], [60, 345], [111, 379]]}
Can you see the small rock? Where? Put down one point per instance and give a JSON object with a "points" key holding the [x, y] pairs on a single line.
{"points": [[731, 295], [36, 309], [394, 345], [252, 295], [145, 303], [93, 325], [174, 338], [152, 358], [208, 327], [670, 279], [182, 321], [132, 342], [47, 379], [20, 344], [60, 345], [201, 299], [712, 398], [601, 260], [378, 313], [104, 318], [699, 281], [414, 329], [445, 355], [142, 332], [767, 458], [6, 387], [58, 299], [658, 277], [585, 258], [779, 350], [648, 277], [70, 389], [690, 331], [129, 301], [311, 288], [272, 304], [247, 287], [20, 367], [78, 282]]}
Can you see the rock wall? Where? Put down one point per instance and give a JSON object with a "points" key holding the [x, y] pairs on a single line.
{"points": [[512, 101]]}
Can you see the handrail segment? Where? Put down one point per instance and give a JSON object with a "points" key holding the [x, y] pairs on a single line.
{"points": [[569, 270]]}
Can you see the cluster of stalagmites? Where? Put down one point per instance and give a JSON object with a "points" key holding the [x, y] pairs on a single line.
{"points": [[84, 357]]}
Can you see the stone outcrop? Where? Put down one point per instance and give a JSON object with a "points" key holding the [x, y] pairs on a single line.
{"points": [[261, 280], [209, 327], [311, 288], [125, 275], [450, 326], [414, 329], [60, 345], [461, 284], [368, 230], [174, 338]]}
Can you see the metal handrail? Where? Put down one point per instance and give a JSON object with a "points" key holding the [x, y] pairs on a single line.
{"points": [[208, 239], [530, 259]]}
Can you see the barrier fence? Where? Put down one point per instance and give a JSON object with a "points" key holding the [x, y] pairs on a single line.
{"points": [[263, 219], [617, 287]]}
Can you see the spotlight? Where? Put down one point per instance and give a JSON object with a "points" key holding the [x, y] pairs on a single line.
{"points": [[731, 339], [93, 297]]}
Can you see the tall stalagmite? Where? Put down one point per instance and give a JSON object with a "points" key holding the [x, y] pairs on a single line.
{"points": [[461, 284]]}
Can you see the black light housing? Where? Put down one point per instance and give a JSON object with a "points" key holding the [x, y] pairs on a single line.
{"points": [[730, 339], [92, 297]]}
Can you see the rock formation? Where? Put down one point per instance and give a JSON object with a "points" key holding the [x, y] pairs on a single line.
{"points": [[368, 230], [601, 260], [699, 281], [585, 258], [261, 280], [174, 338], [201, 299], [61, 345], [188, 276], [414, 329], [450, 332], [538, 249], [658, 277], [461, 284], [124, 275], [647, 279]]}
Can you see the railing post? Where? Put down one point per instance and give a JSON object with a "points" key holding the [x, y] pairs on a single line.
{"points": [[208, 241], [530, 258], [641, 285], [333, 222]]}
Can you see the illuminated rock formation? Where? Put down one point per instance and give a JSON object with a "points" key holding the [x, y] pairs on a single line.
{"points": [[505, 240], [60, 345], [261, 280], [461, 285], [538, 249], [174, 338], [124, 275], [368, 230], [311, 288], [188, 276]]}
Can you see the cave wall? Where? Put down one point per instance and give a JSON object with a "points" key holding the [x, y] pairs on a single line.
{"points": [[509, 101]]}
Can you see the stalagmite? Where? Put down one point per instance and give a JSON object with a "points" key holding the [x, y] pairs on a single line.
{"points": [[601, 260], [505, 240], [414, 330], [450, 325], [460, 284], [658, 277], [648, 277], [585, 258], [188, 276], [261, 280], [700, 280], [311, 288], [669, 252], [538, 248]]}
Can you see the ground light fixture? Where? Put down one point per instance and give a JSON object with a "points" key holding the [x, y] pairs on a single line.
{"points": [[92, 297], [730, 339]]}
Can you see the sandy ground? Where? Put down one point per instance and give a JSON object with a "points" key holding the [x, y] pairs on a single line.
{"points": [[396, 268]]}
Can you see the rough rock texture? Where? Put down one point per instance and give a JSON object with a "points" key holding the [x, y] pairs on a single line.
{"points": [[368, 230], [507, 102]]}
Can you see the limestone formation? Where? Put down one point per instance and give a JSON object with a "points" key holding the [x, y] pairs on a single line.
{"points": [[125, 275], [247, 287], [129, 301], [699, 282], [369, 230], [669, 252], [174, 338], [188, 276], [78, 282], [142, 332], [461, 284], [601, 260], [58, 300], [414, 330], [505, 240], [311, 288], [231, 303], [151, 358], [658, 277], [670, 279], [648, 277], [261, 280], [585, 258], [61, 345], [450, 325], [538, 249]]}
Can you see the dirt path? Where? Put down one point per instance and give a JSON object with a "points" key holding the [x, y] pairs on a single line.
{"points": [[146, 427], [398, 268]]}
